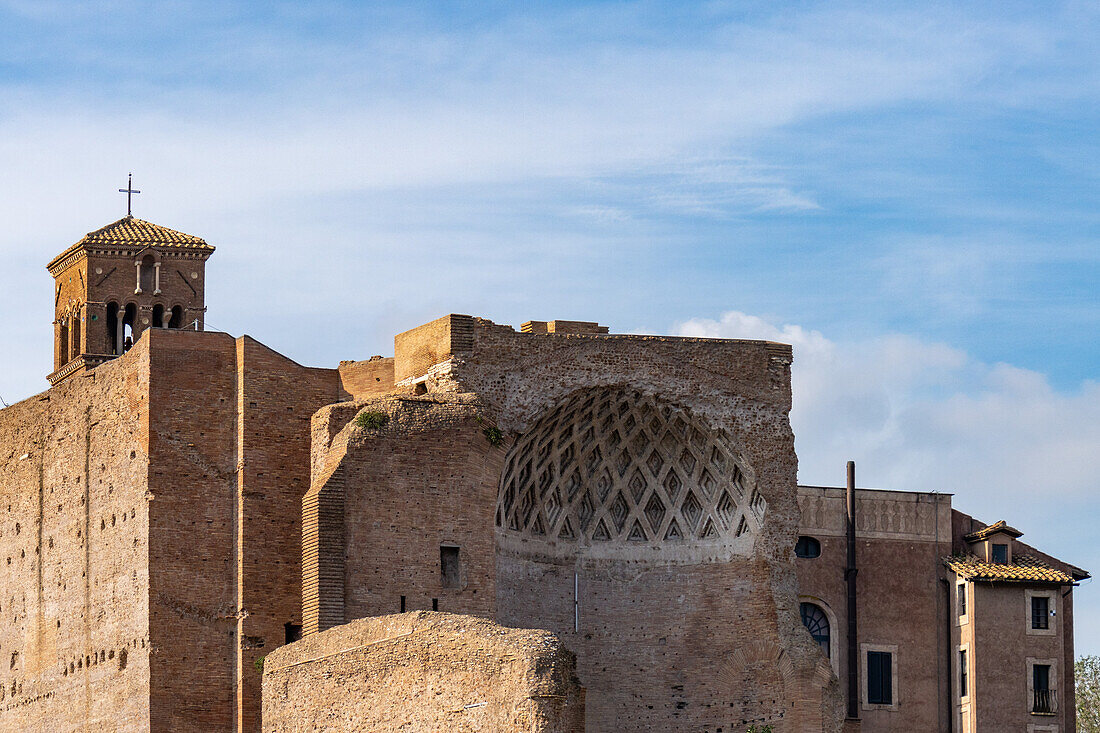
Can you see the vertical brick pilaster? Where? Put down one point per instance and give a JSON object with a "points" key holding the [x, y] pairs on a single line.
{"points": [[323, 554]]}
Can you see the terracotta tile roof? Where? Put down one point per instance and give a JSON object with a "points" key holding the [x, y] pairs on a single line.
{"points": [[1000, 526], [130, 230], [1025, 569]]}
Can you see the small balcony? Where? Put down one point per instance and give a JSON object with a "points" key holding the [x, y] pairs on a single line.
{"points": [[1046, 702]]}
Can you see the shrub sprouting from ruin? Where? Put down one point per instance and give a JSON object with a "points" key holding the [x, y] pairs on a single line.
{"points": [[494, 436], [371, 420]]}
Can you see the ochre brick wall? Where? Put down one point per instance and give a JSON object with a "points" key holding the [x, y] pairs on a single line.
{"points": [[423, 672], [372, 377], [230, 446], [419, 348], [74, 642]]}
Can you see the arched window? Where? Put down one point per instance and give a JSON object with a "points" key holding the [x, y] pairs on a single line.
{"points": [[159, 320], [113, 329], [63, 341], [817, 623], [128, 322], [148, 263], [177, 317], [76, 333], [807, 547]]}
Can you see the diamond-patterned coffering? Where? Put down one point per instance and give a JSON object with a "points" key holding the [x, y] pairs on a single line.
{"points": [[611, 465]]}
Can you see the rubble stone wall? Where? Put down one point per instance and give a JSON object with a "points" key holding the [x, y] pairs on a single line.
{"points": [[423, 672]]}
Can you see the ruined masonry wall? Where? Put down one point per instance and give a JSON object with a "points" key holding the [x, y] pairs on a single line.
{"points": [[427, 478], [74, 645], [423, 672]]}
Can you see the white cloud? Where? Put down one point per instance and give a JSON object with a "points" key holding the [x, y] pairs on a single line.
{"points": [[923, 416], [926, 416]]}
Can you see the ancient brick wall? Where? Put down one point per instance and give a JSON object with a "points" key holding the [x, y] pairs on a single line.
{"points": [[425, 480], [423, 672], [362, 380], [74, 643], [419, 348], [230, 457], [679, 632]]}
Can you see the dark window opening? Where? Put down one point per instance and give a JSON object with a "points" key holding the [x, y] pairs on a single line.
{"points": [[148, 264], [176, 321], [293, 632], [129, 319], [1040, 612], [1045, 699], [158, 316], [113, 327], [435, 604], [1000, 554], [402, 604], [962, 599], [63, 342], [817, 623], [962, 674], [880, 689], [807, 547], [449, 570], [76, 350]]}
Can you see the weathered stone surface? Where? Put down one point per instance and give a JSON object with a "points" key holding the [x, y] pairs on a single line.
{"points": [[425, 672]]}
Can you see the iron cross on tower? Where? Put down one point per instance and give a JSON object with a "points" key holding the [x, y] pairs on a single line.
{"points": [[129, 191]]}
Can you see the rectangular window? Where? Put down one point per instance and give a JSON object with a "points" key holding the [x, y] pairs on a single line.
{"points": [[962, 599], [963, 690], [1040, 682], [1040, 612], [449, 570], [1000, 554], [879, 681]]}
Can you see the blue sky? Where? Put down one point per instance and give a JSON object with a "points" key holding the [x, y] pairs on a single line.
{"points": [[908, 193]]}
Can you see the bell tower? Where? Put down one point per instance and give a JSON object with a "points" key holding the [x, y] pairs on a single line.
{"points": [[117, 282]]}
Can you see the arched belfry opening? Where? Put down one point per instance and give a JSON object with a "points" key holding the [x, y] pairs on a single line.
{"points": [[128, 276], [129, 319], [114, 329], [75, 333]]}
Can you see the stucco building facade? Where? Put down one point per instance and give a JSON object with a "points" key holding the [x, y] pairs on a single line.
{"points": [[181, 503]]}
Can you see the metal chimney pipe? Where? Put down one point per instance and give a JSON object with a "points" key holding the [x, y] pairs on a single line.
{"points": [[850, 576]]}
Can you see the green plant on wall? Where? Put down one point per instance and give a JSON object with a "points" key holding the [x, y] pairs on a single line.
{"points": [[259, 664], [494, 436], [371, 420], [757, 729]]}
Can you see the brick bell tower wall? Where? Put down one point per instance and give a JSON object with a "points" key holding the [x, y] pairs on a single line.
{"points": [[694, 627]]}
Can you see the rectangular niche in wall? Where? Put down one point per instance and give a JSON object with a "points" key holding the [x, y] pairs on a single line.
{"points": [[450, 572]]}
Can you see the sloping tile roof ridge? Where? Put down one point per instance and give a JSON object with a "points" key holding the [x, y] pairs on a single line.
{"points": [[1024, 569], [992, 529], [131, 230]]}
